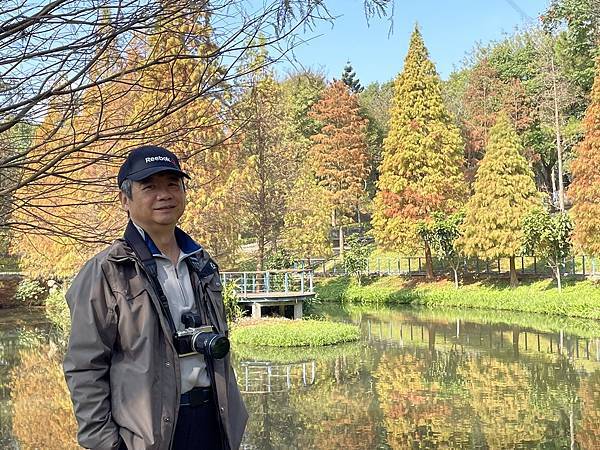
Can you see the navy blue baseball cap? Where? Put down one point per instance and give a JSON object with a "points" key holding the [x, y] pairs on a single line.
{"points": [[147, 160]]}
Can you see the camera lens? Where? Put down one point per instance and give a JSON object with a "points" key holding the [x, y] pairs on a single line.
{"points": [[213, 345]]}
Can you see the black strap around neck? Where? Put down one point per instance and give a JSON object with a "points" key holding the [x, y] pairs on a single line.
{"points": [[137, 243]]}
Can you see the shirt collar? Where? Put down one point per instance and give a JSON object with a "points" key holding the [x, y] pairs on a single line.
{"points": [[185, 243]]}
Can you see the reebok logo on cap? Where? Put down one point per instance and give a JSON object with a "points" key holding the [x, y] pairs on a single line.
{"points": [[157, 158]]}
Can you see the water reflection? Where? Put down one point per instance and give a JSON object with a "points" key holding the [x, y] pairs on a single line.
{"points": [[418, 379], [423, 381]]}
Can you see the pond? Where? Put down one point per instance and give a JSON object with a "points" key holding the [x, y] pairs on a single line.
{"points": [[419, 378]]}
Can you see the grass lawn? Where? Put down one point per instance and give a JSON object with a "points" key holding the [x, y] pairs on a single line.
{"points": [[578, 299], [292, 333]]}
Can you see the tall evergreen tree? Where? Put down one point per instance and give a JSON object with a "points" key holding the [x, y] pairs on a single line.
{"points": [[421, 172], [504, 193], [585, 188], [339, 152], [349, 78]]}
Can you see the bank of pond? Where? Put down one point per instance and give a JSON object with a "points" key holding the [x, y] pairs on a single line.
{"points": [[416, 378], [579, 298]]}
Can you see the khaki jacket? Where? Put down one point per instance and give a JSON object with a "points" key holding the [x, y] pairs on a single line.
{"points": [[121, 366]]}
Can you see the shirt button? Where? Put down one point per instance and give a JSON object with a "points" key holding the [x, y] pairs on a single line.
{"points": [[222, 409], [167, 363], [167, 419]]}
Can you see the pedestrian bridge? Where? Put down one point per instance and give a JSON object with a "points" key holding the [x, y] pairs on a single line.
{"points": [[278, 288]]}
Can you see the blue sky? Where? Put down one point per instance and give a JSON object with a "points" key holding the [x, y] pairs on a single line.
{"points": [[451, 29]]}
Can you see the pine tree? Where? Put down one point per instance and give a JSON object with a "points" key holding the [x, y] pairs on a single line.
{"points": [[339, 152], [421, 172], [504, 193], [585, 188], [350, 80]]}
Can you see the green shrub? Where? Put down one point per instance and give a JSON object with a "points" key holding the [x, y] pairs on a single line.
{"points": [[57, 310], [281, 259], [30, 292], [356, 257], [294, 333], [233, 311]]}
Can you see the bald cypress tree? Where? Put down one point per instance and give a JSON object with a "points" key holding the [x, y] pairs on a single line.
{"points": [[585, 189], [339, 152], [421, 171], [505, 193]]}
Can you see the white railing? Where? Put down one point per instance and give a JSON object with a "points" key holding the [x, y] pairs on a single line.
{"points": [[271, 281]]}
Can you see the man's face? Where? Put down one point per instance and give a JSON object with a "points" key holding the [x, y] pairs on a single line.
{"points": [[157, 201]]}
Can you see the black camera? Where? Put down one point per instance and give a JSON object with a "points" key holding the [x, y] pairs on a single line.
{"points": [[198, 338]]}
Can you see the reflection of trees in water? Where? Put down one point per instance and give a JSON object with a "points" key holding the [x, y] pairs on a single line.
{"points": [[501, 397], [455, 400], [443, 368], [442, 385], [588, 429], [337, 411], [554, 388], [18, 329], [419, 413], [8, 358], [42, 411]]}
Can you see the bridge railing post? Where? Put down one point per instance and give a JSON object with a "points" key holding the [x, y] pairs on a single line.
{"points": [[245, 283], [285, 282], [301, 281], [267, 282], [310, 281]]}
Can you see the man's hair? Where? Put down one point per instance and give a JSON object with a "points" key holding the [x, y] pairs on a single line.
{"points": [[126, 188]]}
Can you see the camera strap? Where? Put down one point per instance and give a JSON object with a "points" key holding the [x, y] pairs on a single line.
{"points": [[204, 305], [137, 243]]}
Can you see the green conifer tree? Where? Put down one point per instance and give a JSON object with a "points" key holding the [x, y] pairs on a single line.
{"points": [[349, 78], [504, 193], [421, 172]]}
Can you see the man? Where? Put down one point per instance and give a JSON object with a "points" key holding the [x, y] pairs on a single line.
{"points": [[134, 383]]}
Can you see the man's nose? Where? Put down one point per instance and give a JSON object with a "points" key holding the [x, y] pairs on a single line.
{"points": [[163, 193]]}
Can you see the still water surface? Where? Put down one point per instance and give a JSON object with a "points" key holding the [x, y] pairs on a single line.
{"points": [[418, 379]]}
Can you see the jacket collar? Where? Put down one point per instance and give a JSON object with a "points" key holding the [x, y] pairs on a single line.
{"points": [[185, 243], [121, 251]]}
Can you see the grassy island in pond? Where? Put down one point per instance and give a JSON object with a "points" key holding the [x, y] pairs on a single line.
{"points": [[578, 299], [293, 333]]}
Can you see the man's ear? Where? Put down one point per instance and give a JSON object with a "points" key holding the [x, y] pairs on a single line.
{"points": [[124, 201]]}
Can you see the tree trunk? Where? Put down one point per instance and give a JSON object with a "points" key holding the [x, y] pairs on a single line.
{"points": [[455, 277], [561, 188], [514, 281], [558, 280], [428, 262], [341, 241], [261, 252]]}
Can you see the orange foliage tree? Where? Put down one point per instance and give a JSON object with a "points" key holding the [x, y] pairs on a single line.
{"points": [[585, 188], [339, 152]]}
